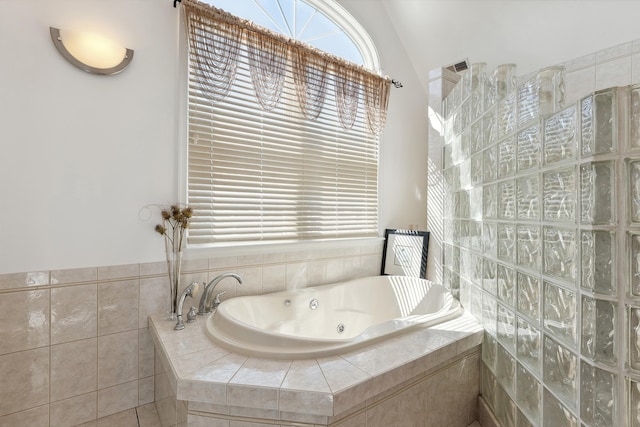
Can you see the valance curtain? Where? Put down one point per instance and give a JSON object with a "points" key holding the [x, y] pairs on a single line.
{"points": [[217, 36], [310, 76], [268, 65], [219, 44]]}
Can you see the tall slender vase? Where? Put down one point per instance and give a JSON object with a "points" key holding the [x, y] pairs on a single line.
{"points": [[174, 264], [175, 221]]}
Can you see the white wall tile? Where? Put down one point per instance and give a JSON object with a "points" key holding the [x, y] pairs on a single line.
{"points": [[117, 358], [250, 260], [252, 278], [145, 391], [370, 264], [74, 313], [200, 421], [302, 255], [74, 368], [406, 408], [154, 293], [28, 374], [252, 397], [126, 418], [223, 262], [351, 268], [118, 272], [335, 270], [190, 265], [23, 280], [73, 411], [38, 416], [76, 275], [153, 268], [316, 273], [117, 399], [118, 306], [296, 275], [24, 317], [275, 257], [261, 373], [145, 353], [273, 278]]}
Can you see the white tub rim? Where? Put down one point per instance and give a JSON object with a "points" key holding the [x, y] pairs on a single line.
{"points": [[280, 346]]}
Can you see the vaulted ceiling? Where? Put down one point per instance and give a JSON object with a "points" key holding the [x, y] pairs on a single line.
{"points": [[530, 33]]}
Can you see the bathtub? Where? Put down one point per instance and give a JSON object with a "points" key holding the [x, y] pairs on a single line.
{"points": [[329, 319]]}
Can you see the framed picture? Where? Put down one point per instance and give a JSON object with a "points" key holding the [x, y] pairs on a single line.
{"points": [[405, 253]]}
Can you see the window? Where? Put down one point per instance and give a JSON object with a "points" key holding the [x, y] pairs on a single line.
{"points": [[320, 23], [270, 167]]}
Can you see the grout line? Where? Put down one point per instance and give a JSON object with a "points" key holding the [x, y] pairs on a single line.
{"points": [[137, 415]]}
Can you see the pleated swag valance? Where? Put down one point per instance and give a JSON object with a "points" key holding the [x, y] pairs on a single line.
{"points": [[217, 40]]}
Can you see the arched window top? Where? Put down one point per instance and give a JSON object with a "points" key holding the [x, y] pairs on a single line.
{"points": [[323, 24]]}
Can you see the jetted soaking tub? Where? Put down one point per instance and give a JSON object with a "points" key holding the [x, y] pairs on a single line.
{"points": [[329, 319]]}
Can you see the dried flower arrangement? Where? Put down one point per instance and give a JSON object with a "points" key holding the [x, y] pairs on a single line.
{"points": [[175, 222]]}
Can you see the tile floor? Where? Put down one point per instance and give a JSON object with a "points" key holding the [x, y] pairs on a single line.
{"points": [[142, 416], [146, 416]]}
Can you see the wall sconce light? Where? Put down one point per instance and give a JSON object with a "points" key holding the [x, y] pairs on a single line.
{"points": [[91, 53]]}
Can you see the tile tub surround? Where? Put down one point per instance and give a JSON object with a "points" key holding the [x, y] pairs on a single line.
{"points": [[74, 344], [430, 375]]}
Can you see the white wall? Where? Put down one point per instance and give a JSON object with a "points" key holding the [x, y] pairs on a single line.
{"points": [[529, 33], [83, 154], [403, 158]]}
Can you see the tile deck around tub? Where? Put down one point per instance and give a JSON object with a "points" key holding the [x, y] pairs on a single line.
{"points": [[324, 387]]}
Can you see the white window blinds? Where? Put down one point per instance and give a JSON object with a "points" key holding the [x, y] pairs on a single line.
{"points": [[261, 172]]}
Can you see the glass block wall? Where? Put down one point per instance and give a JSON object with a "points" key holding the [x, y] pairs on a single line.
{"points": [[542, 243]]}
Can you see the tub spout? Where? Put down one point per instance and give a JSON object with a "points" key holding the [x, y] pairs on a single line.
{"points": [[205, 305]]}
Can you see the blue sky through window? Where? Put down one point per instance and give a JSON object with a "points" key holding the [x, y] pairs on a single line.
{"points": [[298, 20]]}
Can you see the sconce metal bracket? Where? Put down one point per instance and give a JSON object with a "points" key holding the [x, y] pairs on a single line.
{"points": [[57, 41]]}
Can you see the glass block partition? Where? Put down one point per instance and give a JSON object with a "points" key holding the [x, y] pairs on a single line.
{"points": [[542, 243]]}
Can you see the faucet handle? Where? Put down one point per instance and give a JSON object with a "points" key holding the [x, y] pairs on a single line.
{"points": [[191, 315], [216, 300]]}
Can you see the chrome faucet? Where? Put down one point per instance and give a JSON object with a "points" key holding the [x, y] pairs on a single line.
{"points": [[216, 300], [188, 292], [205, 305]]}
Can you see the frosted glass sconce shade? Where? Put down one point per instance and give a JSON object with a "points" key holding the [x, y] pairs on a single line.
{"points": [[90, 52]]}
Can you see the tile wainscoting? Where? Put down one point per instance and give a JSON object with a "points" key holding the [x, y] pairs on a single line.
{"points": [[75, 345]]}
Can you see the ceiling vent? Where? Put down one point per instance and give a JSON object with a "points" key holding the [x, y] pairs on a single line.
{"points": [[459, 66]]}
